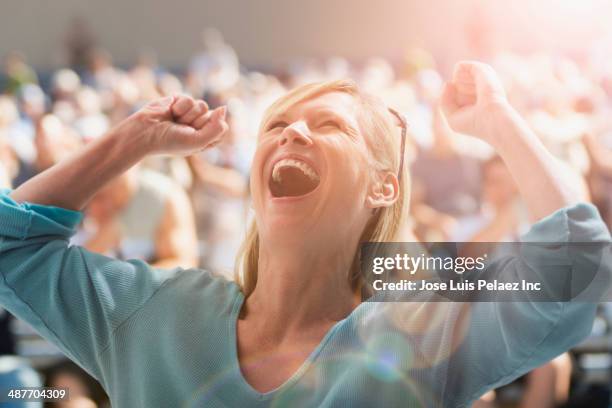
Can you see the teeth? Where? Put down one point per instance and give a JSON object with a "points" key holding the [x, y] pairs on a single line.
{"points": [[305, 168]]}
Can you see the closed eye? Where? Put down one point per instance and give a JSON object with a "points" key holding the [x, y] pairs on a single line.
{"points": [[279, 124], [330, 123]]}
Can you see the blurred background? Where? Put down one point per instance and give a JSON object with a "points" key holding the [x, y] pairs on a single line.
{"points": [[71, 69]]}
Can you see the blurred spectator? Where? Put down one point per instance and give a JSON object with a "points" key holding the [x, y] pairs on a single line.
{"points": [[79, 43], [17, 72], [448, 181], [169, 85], [219, 194], [15, 374], [84, 391], [5, 180], [167, 239], [502, 217], [8, 162], [64, 85], [8, 344], [102, 76], [215, 68], [54, 141], [90, 122], [145, 75], [458, 193], [547, 386]]}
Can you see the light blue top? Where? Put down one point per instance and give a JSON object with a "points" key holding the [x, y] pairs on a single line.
{"points": [[156, 338]]}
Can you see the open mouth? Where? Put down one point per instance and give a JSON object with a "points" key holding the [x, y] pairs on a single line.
{"points": [[292, 178]]}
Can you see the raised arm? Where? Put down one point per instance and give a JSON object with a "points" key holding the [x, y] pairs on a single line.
{"points": [[475, 103], [178, 125], [505, 339], [74, 298], [601, 157]]}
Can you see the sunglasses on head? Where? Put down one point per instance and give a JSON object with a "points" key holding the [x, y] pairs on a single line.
{"points": [[404, 125]]}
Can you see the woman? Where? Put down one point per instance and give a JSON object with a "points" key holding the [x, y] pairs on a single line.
{"points": [[326, 176]]}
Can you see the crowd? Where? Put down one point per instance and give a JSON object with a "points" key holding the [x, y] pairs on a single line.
{"points": [[193, 211]]}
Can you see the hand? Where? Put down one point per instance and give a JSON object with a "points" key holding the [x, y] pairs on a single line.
{"points": [[473, 100], [178, 125]]}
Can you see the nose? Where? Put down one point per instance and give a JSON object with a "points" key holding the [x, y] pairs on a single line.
{"points": [[298, 133]]}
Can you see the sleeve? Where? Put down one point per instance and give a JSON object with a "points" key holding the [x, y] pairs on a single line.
{"points": [[75, 299], [504, 340]]}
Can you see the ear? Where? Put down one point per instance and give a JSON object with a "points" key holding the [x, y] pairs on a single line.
{"points": [[384, 191]]}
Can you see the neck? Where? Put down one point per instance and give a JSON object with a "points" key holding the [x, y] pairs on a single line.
{"points": [[299, 288]]}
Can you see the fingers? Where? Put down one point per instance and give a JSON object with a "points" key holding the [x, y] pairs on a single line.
{"points": [[199, 109], [475, 78], [182, 125], [215, 127], [464, 81], [468, 98], [191, 112], [457, 118], [462, 73], [472, 83], [182, 104], [448, 102], [199, 122], [472, 72]]}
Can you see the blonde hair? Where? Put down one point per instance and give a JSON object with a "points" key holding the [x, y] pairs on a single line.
{"points": [[383, 139]]}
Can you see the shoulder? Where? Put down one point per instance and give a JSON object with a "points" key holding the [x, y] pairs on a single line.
{"points": [[577, 223], [198, 286]]}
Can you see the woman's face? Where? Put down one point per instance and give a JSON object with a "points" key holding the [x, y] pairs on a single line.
{"points": [[311, 172]]}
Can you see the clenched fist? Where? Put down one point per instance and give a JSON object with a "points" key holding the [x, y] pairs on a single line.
{"points": [[473, 100], [177, 125]]}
